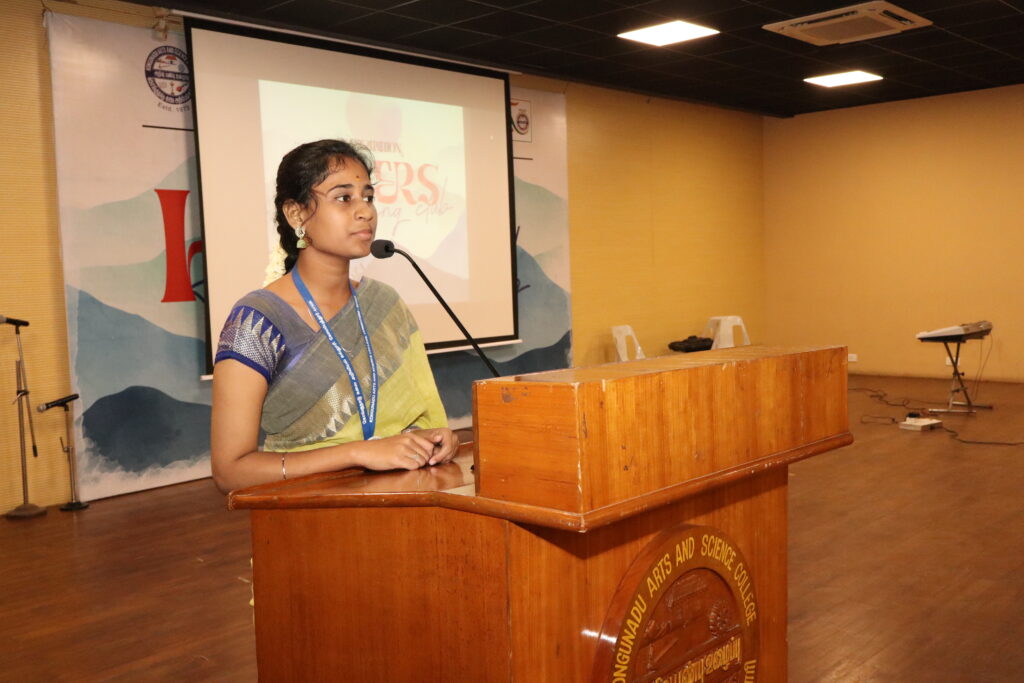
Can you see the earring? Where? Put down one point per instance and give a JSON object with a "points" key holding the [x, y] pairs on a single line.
{"points": [[300, 234]]}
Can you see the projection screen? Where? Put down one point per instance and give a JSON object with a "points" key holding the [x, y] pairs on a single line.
{"points": [[440, 137]]}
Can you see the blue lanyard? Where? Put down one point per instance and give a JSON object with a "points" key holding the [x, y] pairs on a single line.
{"points": [[367, 415]]}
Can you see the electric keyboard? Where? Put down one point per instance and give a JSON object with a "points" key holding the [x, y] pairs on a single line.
{"points": [[957, 333]]}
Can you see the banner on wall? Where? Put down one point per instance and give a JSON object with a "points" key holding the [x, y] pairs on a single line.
{"points": [[131, 248]]}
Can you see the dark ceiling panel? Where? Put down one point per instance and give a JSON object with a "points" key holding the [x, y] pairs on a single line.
{"points": [[711, 45], [686, 11], [559, 35], [971, 13], [383, 26], [620, 21], [569, 11], [740, 17], [972, 44], [503, 23], [445, 38], [442, 11], [324, 14], [508, 4], [375, 5]]}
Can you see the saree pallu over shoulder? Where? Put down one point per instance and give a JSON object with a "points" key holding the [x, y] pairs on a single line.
{"points": [[309, 402]]}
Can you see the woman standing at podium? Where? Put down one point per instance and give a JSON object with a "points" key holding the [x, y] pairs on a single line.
{"points": [[333, 371]]}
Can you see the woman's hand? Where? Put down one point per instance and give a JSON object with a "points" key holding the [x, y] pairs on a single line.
{"points": [[405, 451], [446, 444]]}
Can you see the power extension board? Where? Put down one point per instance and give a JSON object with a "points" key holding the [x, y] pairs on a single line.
{"points": [[920, 424]]}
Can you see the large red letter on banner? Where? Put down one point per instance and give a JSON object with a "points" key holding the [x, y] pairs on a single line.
{"points": [[178, 283]]}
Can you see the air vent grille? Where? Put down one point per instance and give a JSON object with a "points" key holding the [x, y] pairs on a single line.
{"points": [[849, 24]]}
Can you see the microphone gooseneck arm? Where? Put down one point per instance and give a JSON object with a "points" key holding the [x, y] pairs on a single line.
{"points": [[385, 249]]}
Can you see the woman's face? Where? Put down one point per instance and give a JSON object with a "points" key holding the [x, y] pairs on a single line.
{"points": [[341, 219]]}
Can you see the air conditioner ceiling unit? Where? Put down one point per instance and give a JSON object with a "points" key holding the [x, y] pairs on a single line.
{"points": [[849, 24]]}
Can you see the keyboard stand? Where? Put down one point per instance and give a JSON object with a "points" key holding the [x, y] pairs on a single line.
{"points": [[967, 406]]}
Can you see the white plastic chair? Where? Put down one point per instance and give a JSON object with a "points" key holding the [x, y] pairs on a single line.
{"points": [[622, 334], [722, 329]]}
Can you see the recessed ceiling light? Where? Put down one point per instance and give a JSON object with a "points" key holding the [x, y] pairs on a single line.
{"points": [[845, 78], [666, 34]]}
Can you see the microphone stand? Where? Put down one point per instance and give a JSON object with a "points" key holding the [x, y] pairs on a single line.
{"points": [[26, 509], [455, 318], [69, 449]]}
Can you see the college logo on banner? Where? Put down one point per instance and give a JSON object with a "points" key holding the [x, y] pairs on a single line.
{"points": [[168, 76]]}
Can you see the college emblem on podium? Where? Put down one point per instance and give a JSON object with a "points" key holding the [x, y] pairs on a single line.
{"points": [[685, 611]]}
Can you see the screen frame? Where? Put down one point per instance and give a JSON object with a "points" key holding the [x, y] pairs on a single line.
{"points": [[305, 40]]}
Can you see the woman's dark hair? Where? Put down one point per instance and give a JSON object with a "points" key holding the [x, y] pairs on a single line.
{"points": [[300, 171]]}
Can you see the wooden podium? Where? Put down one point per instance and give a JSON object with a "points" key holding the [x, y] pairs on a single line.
{"points": [[625, 522]]}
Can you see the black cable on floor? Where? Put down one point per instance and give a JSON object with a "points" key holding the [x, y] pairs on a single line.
{"points": [[882, 397], [956, 437]]}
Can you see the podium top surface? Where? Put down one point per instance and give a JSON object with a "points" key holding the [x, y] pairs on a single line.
{"points": [[453, 486], [581, 448], [658, 364]]}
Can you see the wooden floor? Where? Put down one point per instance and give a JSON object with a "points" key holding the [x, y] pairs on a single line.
{"points": [[906, 564], [907, 548], [152, 586]]}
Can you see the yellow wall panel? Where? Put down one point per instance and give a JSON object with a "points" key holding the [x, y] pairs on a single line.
{"points": [[30, 259], [886, 220], [665, 218]]}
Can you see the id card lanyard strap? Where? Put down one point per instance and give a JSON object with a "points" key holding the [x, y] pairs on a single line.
{"points": [[367, 411]]}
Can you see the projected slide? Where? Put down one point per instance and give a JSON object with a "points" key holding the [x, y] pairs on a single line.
{"points": [[419, 175], [439, 134]]}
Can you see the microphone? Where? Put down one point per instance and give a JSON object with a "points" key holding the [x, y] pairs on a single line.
{"points": [[13, 321], [387, 249], [60, 402], [383, 249]]}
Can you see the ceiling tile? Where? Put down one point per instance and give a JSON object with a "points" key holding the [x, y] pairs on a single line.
{"points": [[506, 4], [971, 13], [314, 13], [799, 8], [711, 45], [500, 50], [976, 43], [645, 58], [558, 35], [605, 46], [688, 9], [569, 11], [445, 37], [957, 62], [382, 26], [915, 38], [550, 59], [926, 8], [949, 49], [741, 17], [375, 5], [619, 21], [503, 23], [984, 30], [751, 56], [442, 11]]}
